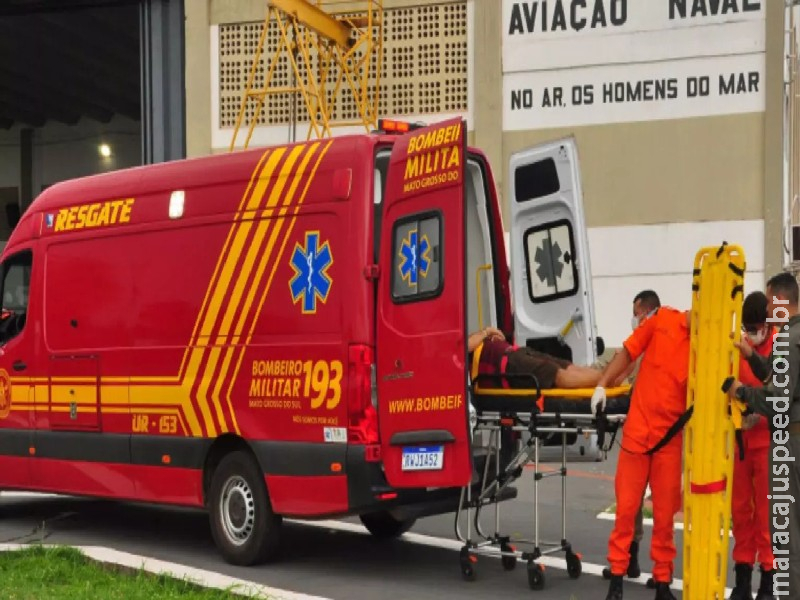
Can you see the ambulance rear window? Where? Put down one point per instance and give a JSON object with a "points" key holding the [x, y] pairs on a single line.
{"points": [[416, 269], [549, 261], [536, 180]]}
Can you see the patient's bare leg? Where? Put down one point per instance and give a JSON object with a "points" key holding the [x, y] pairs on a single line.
{"points": [[577, 377]]}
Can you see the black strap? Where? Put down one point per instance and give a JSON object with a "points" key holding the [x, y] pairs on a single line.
{"points": [[673, 431], [740, 443]]}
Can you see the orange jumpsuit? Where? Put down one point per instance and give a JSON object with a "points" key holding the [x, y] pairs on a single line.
{"points": [[659, 400], [750, 506]]}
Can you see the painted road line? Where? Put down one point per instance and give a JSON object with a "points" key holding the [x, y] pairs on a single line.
{"points": [[455, 545], [609, 516], [436, 542], [207, 579]]}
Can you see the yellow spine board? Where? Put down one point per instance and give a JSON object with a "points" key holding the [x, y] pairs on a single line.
{"points": [[709, 437]]}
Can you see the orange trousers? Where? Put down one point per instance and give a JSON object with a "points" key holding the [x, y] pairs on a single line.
{"points": [[662, 471], [750, 509]]}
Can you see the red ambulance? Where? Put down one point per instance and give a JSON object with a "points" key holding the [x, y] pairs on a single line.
{"points": [[279, 332]]}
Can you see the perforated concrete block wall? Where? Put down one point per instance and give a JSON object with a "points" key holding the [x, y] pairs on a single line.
{"points": [[424, 67]]}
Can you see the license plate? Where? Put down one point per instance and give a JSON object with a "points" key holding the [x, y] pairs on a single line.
{"points": [[427, 458]]}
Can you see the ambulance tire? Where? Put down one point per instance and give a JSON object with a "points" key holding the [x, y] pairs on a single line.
{"points": [[239, 507], [382, 525]]}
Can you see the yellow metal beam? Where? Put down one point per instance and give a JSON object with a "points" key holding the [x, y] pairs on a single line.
{"points": [[317, 20]]}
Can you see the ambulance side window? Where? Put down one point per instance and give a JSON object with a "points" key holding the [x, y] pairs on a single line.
{"points": [[416, 263], [379, 186], [16, 283]]}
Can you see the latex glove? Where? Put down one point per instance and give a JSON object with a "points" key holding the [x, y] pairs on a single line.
{"points": [[598, 400]]}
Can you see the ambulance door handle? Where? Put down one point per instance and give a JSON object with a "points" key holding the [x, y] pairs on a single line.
{"points": [[19, 366]]}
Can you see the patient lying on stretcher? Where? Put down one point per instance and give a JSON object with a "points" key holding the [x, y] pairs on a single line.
{"points": [[496, 356], [491, 354]]}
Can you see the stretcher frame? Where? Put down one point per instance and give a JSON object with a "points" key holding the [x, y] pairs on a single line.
{"points": [[522, 410]]}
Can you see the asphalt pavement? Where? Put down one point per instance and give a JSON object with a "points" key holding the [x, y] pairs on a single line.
{"points": [[340, 561]]}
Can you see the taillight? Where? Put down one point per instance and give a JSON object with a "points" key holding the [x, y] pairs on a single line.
{"points": [[362, 419]]}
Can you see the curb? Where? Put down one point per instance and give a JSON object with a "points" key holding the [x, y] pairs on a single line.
{"points": [[208, 579]]}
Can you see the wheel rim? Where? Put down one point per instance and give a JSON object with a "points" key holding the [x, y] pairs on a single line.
{"points": [[237, 507]]}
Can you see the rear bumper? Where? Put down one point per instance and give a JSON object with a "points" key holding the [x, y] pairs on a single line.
{"points": [[368, 491]]}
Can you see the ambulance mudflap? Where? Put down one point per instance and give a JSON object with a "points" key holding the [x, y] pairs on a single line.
{"points": [[421, 324]]}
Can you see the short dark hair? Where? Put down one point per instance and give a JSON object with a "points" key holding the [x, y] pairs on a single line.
{"points": [[649, 299], [785, 284], [754, 309]]}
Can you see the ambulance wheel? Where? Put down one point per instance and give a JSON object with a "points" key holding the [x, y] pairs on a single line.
{"points": [[383, 525], [535, 576], [243, 526], [574, 567]]}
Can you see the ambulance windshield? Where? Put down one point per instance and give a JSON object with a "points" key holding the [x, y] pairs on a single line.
{"points": [[16, 283]]}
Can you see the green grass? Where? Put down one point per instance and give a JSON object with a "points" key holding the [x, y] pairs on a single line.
{"points": [[58, 573]]}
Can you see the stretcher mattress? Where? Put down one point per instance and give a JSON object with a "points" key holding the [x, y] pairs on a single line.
{"points": [[564, 401]]}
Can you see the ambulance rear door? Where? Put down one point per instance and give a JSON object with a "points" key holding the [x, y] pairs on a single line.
{"points": [[421, 321], [551, 271]]}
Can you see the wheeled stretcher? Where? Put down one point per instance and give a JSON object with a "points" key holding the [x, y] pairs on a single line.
{"points": [[508, 413]]}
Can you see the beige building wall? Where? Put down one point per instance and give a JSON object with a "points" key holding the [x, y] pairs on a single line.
{"points": [[655, 189]]}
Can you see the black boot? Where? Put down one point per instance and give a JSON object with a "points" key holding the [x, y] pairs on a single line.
{"points": [[663, 592], [633, 565], [744, 583], [765, 590], [615, 588]]}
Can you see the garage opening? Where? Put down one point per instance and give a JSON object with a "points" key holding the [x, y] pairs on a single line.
{"points": [[89, 86]]}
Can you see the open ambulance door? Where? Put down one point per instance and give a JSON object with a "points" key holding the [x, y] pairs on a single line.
{"points": [[421, 337], [551, 272]]}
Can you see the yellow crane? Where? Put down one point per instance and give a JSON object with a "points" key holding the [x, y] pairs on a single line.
{"points": [[333, 54]]}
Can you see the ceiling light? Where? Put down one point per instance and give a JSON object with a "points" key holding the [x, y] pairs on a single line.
{"points": [[105, 150]]}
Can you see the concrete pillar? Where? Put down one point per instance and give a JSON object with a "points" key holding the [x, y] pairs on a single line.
{"points": [[773, 139], [198, 84], [25, 168], [488, 89], [163, 73]]}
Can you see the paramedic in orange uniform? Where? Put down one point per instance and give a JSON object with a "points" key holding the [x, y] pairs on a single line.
{"points": [[648, 454], [750, 506]]}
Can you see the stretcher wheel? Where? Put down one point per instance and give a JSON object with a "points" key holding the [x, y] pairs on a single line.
{"points": [[574, 567], [535, 576], [509, 562], [467, 561]]}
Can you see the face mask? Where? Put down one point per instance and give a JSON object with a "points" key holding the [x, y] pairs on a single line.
{"points": [[757, 338], [636, 321]]}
